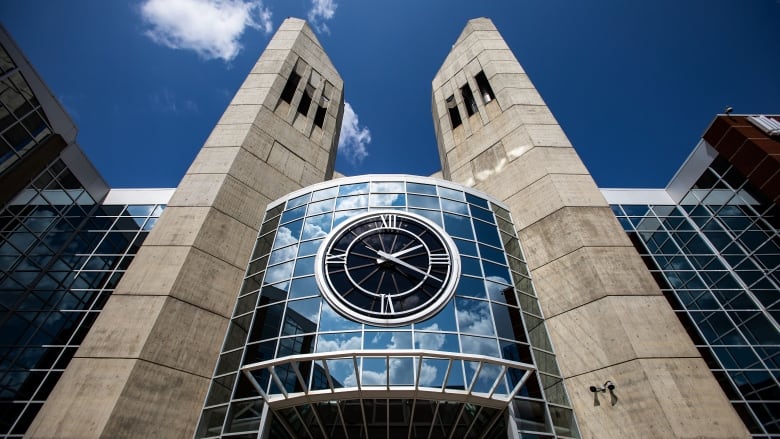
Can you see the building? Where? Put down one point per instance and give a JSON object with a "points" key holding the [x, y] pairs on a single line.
{"points": [[67, 238], [501, 298], [710, 239]]}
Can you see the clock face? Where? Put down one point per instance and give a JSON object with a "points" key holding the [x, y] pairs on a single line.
{"points": [[388, 268]]}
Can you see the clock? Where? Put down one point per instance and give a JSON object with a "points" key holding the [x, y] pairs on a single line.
{"points": [[387, 268]]}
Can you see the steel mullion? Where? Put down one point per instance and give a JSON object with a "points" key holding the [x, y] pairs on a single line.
{"points": [[476, 376], [278, 382], [298, 375], [284, 424], [411, 419], [435, 416], [341, 419], [363, 413], [316, 413], [357, 372], [490, 425], [446, 377], [473, 421], [498, 381], [303, 423], [328, 377], [457, 419]]}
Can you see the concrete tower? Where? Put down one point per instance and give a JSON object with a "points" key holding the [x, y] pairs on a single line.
{"points": [[145, 366], [607, 317]]}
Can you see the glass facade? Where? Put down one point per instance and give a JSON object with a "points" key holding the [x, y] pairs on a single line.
{"points": [[23, 124], [280, 313], [61, 255], [716, 256]]}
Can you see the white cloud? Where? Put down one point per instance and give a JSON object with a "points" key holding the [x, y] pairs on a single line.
{"points": [[212, 28], [321, 11], [354, 139], [427, 340]]}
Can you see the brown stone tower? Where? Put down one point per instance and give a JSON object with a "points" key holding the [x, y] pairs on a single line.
{"points": [[145, 366], [607, 317]]}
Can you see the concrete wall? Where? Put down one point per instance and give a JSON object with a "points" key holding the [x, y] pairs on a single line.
{"points": [[606, 315], [144, 368]]}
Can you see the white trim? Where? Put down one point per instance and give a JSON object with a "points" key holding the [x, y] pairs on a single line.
{"points": [[693, 167], [637, 196], [691, 170], [138, 196]]}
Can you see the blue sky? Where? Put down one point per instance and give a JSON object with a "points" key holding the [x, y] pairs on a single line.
{"points": [[633, 83]]}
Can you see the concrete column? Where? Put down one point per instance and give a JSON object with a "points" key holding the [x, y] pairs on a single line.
{"points": [[605, 314], [144, 368]]}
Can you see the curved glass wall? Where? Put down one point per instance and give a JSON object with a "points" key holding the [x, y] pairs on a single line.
{"points": [[475, 349]]}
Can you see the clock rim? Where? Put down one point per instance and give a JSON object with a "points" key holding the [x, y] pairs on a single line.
{"points": [[444, 295]]}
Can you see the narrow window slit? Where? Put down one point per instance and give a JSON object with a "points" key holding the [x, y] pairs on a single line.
{"points": [[484, 87], [468, 98], [289, 88], [452, 107], [303, 106]]}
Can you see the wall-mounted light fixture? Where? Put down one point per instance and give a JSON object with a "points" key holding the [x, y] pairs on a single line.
{"points": [[608, 386]]}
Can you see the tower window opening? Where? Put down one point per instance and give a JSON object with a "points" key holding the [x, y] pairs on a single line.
{"points": [[319, 116], [303, 106], [468, 98], [484, 87], [452, 107], [289, 88]]}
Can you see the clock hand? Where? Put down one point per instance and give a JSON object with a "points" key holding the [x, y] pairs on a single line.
{"points": [[403, 252], [395, 260], [398, 253]]}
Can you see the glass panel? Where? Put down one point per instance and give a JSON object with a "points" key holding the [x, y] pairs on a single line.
{"points": [[324, 193], [444, 320], [387, 186], [420, 188], [474, 317], [423, 201], [353, 189], [303, 286], [459, 226], [354, 202], [387, 200]]}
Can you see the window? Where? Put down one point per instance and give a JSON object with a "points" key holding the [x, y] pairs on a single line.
{"points": [[290, 87], [303, 106], [319, 116], [452, 107], [484, 87], [468, 98]]}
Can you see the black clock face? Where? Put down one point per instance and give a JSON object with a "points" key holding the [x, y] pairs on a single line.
{"points": [[388, 268]]}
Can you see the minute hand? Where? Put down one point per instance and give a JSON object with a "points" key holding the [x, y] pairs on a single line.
{"points": [[395, 260]]}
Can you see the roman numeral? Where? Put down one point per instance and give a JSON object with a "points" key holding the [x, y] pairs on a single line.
{"points": [[386, 304], [339, 258], [389, 221], [440, 258]]}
